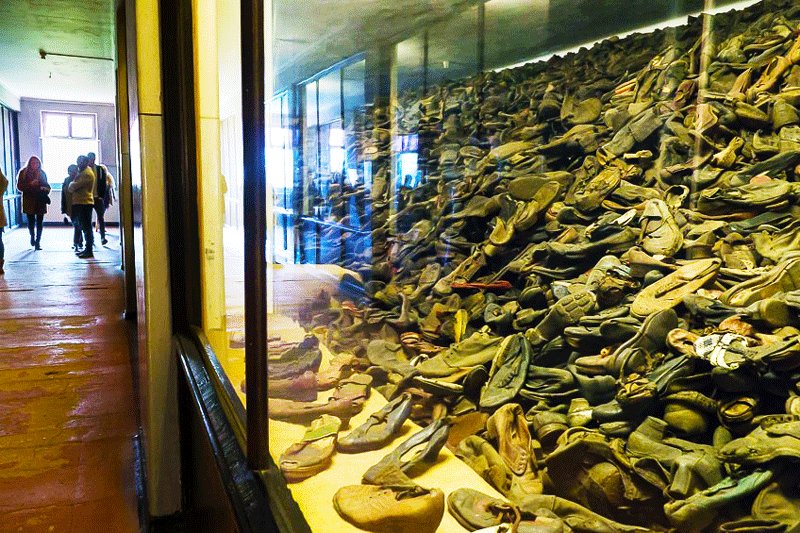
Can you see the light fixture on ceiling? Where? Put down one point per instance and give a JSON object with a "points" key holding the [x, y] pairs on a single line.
{"points": [[43, 54]]}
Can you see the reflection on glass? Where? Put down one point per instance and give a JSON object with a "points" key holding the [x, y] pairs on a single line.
{"points": [[453, 48], [280, 165], [516, 30], [441, 205], [410, 64]]}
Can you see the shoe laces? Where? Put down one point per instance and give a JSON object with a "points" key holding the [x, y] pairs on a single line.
{"points": [[403, 492], [506, 511]]}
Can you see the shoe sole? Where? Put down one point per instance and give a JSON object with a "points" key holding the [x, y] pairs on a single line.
{"points": [[670, 290]]}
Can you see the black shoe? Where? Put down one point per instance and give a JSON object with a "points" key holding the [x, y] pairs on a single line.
{"points": [[86, 254], [104, 241], [33, 240], [37, 247]]}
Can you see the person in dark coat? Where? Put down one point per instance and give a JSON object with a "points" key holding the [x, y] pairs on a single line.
{"points": [[99, 191], [32, 183], [66, 208]]}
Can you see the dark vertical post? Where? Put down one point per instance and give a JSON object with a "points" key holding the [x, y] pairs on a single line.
{"points": [[318, 179], [255, 231], [481, 37], [345, 209], [180, 162], [425, 63]]}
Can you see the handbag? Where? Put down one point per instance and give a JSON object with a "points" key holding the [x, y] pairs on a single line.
{"points": [[44, 197]]}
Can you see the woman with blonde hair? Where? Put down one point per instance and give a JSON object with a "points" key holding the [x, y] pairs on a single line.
{"points": [[32, 183]]}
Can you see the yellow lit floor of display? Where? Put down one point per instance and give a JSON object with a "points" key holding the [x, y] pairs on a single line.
{"points": [[290, 286], [315, 494]]}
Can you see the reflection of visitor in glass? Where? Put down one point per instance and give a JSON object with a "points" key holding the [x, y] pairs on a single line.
{"points": [[352, 176], [3, 221]]}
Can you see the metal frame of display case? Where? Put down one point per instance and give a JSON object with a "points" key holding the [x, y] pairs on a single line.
{"points": [[254, 126]]}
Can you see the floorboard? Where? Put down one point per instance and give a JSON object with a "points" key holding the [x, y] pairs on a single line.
{"points": [[67, 407]]}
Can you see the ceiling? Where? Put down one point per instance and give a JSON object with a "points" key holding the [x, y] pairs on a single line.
{"points": [[311, 35], [72, 27]]}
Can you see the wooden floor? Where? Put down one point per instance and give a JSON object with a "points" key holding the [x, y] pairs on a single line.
{"points": [[67, 408]]}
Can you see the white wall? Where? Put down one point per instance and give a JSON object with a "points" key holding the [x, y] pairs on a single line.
{"points": [[54, 210], [8, 98], [158, 369]]}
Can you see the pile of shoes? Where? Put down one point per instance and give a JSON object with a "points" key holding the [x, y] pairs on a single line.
{"points": [[598, 284]]}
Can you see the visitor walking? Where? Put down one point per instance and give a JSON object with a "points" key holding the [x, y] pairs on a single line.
{"points": [[83, 203], [32, 183], [66, 207], [99, 193]]}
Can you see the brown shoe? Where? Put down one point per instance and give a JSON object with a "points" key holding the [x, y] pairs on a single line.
{"points": [[390, 509], [783, 277], [379, 429], [669, 291], [508, 427], [340, 367], [396, 467], [302, 388], [346, 402]]}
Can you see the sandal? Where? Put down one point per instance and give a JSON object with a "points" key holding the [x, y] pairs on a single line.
{"points": [[312, 454]]}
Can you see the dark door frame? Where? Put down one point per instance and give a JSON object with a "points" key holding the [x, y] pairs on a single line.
{"points": [[124, 164], [180, 162]]}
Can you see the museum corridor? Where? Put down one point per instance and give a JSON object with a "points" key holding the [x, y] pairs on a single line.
{"points": [[67, 406]]}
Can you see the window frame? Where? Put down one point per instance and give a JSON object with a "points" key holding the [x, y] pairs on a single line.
{"points": [[43, 137]]}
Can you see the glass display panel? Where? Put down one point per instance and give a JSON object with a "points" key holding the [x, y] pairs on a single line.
{"points": [[5, 145], [280, 173], [221, 200], [568, 278], [410, 63], [453, 47], [530, 270], [516, 30]]}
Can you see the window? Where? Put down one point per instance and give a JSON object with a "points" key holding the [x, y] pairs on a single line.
{"points": [[65, 136]]}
